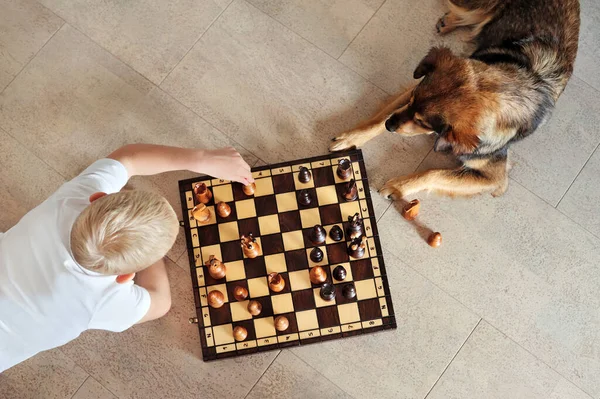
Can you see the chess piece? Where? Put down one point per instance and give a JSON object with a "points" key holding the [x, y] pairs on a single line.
{"points": [[318, 235], [336, 233], [304, 175], [223, 209], [249, 246], [240, 293], [216, 268], [317, 275], [351, 191], [339, 273], [411, 210], [327, 292], [254, 307], [349, 291], [276, 282], [216, 299], [203, 193], [357, 247], [240, 333], [354, 226], [201, 213], [281, 323], [304, 197], [344, 170], [435, 240], [316, 255], [249, 189]]}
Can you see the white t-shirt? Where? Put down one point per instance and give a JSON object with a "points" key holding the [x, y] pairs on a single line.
{"points": [[46, 298]]}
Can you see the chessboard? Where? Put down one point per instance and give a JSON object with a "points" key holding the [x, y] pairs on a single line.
{"points": [[282, 223]]}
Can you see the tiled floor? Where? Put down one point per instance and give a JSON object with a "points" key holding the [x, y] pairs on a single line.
{"points": [[507, 307]]}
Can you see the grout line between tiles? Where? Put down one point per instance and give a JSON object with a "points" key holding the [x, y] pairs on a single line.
{"points": [[77, 390], [581, 170], [453, 357], [360, 31], [194, 45], [263, 373]]}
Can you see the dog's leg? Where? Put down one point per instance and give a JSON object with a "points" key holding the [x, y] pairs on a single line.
{"points": [[489, 176], [371, 128], [462, 15]]}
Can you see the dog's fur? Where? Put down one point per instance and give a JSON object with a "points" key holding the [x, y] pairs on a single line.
{"points": [[478, 106]]}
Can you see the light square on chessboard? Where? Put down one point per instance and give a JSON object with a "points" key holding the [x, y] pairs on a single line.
{"points": [[264, 327], [281, 170], [307, 320], [367, 227], [228, 231], [203, 296], [191, 219], [282, 303], [275, 263], [223, 193], [235, 270], [365, 289], [364, 208], [320, 164], [189, 199], [260, 252], [258, 287], [261, 173], [206, 317], [320, 302], [346, 266], [264, 187], [327, 195], [195, 242], [217, 182], [356, 169], [348, 313], [328, 240], [349, 209], [211, 250], [245, 209], [293, 240], [310, 217], [219, 287], [324, 262], [361, 189], [384, 307], [337, 178], [268, 224], [239, 311], [299, 280], [223, 334], [286, 202], [299, 185]]}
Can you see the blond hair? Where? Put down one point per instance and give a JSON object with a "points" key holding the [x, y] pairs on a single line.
{"points": [[124, 232]]}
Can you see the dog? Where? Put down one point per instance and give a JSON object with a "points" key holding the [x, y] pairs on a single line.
{"points": [[480, 105]]}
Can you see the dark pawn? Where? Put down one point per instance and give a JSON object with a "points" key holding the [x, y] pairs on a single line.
{"points": [[351, 192], [336, 233], [349, 291], [304, 175], [304, 197], [316, 255], [339, 273], [327, 291], [318, 235], [344, 171]]}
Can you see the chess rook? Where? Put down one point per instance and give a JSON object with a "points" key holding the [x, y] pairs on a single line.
{"points": [[304, 175], [216, 268], [344, 169], [339, 273], [336, 233], [316, 255], [318, 235], [304, 197], [327, 292], [351, 191], [249, 246], [203, 193]]}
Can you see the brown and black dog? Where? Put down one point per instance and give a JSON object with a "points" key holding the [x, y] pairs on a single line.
{"points": [[479, 106]]}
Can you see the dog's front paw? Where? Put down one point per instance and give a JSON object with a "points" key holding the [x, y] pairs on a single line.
{"points": [[393, 189], [443, 26], [343, 142]]}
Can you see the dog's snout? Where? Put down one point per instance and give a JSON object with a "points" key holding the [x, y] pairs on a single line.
{"points": [[392, 123]]}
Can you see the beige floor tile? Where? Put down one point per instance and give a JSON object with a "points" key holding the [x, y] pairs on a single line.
{"points": [[402, 363], [548, 161], [399, 35], [330, 25], [25, 180], [582, 201], [92, 389], [290, 377], [26, 26], [150, 37], [490, 365], [280, 97], [588, 56], [518, 263], [48, 375], [163, 358]]}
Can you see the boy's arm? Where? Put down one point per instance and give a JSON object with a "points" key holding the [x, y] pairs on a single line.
{"points": [[154, 279], [149, 159]]}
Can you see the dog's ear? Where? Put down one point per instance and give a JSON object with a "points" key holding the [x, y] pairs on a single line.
{"points": [[431, 60]]}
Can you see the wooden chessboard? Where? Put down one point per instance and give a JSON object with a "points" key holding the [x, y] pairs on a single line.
{"points": [[282, 227]]}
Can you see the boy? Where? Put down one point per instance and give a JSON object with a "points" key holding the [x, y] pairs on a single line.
{"points": [[90, 257]]}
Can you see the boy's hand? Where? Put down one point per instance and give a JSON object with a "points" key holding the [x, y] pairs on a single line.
{"points": [[225, 163]]}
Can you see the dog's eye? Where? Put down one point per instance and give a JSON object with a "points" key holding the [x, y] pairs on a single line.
{"points": [[422, 123]]}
